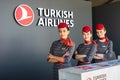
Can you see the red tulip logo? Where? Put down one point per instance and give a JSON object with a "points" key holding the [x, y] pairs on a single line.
{"points": [[24, 15]]}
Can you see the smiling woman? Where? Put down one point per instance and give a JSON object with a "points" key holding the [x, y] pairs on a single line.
{"points": [[85, 51], [105, 46], [61, 50]]}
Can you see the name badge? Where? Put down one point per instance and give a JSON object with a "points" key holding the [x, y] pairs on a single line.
{"points": [[88, 48], [103, 46], [63, 48]]}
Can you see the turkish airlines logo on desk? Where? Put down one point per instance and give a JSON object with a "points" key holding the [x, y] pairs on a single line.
{"points": [[89, 78], [24, 15]]}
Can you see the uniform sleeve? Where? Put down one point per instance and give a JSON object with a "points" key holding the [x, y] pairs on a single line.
{"points": [[75, 51], [110, 50], [71, 51], [73, 55], [51, 48], [90, 54]]}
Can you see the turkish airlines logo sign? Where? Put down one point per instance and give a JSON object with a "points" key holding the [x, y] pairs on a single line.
{"points": [[24, 15]]}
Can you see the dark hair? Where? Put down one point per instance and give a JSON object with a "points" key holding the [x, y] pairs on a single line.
{"points": [[68, 28]]}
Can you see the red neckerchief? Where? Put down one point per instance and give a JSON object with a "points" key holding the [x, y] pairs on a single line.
{"points": [[101, 38], [87, 42], [67, 41], [106, 39], [91, 41]]}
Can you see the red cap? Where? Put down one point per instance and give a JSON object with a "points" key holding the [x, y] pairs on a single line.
{"points": [[99, 26], [86, 29], [62, 25]]}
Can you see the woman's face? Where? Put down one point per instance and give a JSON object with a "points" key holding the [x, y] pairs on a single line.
{"points": [[63, 32], [101, 33], [87, 36]]}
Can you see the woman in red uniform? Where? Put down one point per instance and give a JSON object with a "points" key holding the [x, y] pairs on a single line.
{"points": [[105, 46], [61, 50], [85, 51]]}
